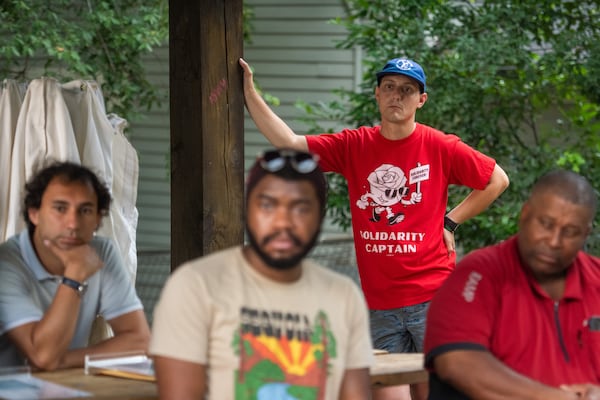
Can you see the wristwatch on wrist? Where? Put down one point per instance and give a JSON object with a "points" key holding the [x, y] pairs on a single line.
{"points": [[450, 225], [79, 287]]}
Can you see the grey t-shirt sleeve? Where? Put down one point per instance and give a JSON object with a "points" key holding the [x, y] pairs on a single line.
{"points": [[20, 303]]}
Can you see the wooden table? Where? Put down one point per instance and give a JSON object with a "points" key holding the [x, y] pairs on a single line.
{"points": [[398, 369], [102, 386], [388, 370]]}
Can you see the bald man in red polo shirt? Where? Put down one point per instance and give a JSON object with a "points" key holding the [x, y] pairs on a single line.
{"points": [[521, 319]]}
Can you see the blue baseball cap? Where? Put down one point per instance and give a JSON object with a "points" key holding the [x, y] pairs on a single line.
{"points": [[403, 66]]}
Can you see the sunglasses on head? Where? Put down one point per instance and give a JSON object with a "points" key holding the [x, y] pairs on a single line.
{"points": [[300, 161]]}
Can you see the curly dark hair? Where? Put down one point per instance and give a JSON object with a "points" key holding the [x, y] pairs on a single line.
{"points": [[68, 172]]}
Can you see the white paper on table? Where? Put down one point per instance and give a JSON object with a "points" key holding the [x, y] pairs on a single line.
{"points": [[27, 387], [132, 365]]}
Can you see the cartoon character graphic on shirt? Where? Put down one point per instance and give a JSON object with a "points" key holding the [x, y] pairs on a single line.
{"points": [[282, 355], [388, 190]]}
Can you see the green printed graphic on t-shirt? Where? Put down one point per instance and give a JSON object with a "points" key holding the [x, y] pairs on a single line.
{"points": [[282, 355]]}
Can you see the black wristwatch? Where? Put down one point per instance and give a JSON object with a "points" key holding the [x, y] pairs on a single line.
{"points": [[450, 225], [79, 287]]}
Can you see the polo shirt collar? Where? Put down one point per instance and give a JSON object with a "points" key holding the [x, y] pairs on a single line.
{"points": [[573, 290], [31, 259]]}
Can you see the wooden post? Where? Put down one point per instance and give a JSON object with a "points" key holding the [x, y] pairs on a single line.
{"points": [[207, 127]]}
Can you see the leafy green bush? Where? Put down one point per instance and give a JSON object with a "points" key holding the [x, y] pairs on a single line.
{"points": [[100, 40], [516, 80], [97, 40]]}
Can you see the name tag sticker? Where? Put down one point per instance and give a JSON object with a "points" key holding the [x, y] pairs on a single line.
{"points": [[594, 323]]}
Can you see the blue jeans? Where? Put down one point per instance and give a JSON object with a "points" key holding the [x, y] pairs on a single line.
{"points": [[399, 330]]}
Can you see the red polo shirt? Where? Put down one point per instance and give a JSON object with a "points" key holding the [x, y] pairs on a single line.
{"points": [[491, 302]]}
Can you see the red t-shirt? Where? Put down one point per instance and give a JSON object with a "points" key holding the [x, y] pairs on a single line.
{"points": [[491, 302], [398, 190]]}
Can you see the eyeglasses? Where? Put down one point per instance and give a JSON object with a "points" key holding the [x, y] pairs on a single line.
{"points": [[300, 161]]}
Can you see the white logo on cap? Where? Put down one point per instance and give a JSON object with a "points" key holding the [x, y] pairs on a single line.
{"points": [[404, 65]]}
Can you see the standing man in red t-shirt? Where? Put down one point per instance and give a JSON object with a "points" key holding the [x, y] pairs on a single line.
{"points": [[398, 175], [521, 319]]}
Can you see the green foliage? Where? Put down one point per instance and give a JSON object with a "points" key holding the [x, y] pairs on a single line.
{"points": [[97, 40], [101, 40], [517, 80], [247, 16]]}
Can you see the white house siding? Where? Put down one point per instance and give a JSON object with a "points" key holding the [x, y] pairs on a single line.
{"points": [[150, 136], [294, 56]]}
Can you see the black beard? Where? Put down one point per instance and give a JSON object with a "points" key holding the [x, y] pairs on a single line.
{"points": [[282, 263]]}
